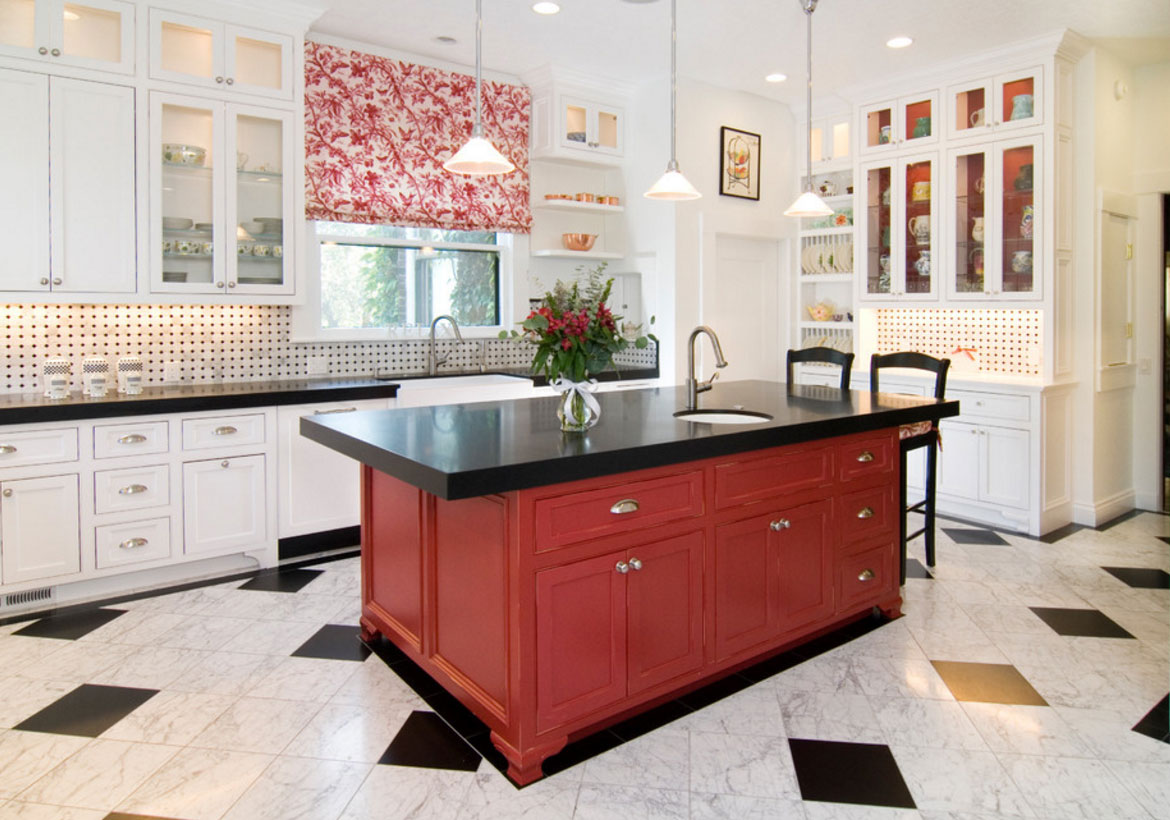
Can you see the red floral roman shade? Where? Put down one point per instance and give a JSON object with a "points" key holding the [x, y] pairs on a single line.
{"points": [[377, 132]]}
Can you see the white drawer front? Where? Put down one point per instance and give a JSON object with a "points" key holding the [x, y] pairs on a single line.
{"points": [[222, 431], [18, 449], [134, 439], [133, 543], [1003, 406], [135, 488]]}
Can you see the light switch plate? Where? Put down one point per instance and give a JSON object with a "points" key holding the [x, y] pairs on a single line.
{"points": [[318, 365], [172, 373]]}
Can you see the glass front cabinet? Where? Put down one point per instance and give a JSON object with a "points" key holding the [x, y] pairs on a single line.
{"points": [[591, 126], [906, 123], [92, 34], [221, 200], [993, 222], [898, 228], [1006, 101]]}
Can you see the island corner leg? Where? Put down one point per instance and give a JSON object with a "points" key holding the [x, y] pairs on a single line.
{"points": [[891, 607], [525, 767], [367, 631]]}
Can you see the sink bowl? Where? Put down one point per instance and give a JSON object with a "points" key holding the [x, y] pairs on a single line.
{"points": [[722, 416]]}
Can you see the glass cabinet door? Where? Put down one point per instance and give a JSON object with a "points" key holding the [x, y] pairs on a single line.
{"points": [[878, 127], [918, 228], [1018, 100], [970, 107], [93, 34], [916, 119], [258, 62], [18, 27], [185, 48], [590, 126], [970, 224], [259, 201], [877, 182], [1017, 224], [831, 139]]}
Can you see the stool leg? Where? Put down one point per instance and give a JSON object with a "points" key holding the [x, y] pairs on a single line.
{"points": [[902, 515], [931, 474]]}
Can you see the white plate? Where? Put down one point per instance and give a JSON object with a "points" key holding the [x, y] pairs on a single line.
{"points": [[811, 341], [805, 264]]}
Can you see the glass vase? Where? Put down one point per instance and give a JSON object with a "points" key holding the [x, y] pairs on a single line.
{"points": [[577, 411]]}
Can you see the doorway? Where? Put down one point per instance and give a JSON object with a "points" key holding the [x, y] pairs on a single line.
{"points": [[741, 303]]}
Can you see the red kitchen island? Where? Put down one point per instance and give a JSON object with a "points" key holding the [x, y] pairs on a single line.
{"points": [[556, 584]]}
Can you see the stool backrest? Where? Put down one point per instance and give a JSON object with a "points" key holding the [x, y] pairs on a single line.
{"points": [[911, 359], [823, 354]]}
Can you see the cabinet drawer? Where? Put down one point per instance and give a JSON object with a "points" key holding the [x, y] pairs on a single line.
{"points": [[868, 513], [18, 449], [991, 405], [782, 472], [867, 576], [867, 456], [222, 431], [135, 488], [575, 517], [136, 439], [133, 543]]}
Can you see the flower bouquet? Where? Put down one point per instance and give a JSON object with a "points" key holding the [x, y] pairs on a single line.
{"points": [[576, 336]]}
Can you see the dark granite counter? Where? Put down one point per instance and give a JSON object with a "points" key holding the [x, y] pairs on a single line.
{"points": [[463, 451]]}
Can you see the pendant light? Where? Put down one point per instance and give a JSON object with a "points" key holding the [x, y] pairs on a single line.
{"points": [[478, 157], [808, 203], [672, 184]]}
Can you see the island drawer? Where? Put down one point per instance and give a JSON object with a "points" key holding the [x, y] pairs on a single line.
{"points": [[866, 576], [867, 455], [589, 514], [868, 513], [19, 449], [786, 470]]}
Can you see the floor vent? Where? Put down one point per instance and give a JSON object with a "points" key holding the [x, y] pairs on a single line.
{"points": [[28, 597]]}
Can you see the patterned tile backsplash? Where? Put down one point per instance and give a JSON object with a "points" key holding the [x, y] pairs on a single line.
{"points": [[990, 341], [227, 343]]}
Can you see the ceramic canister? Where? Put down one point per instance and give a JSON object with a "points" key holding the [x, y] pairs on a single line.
{"points": [[95, 376], [56, 372], [129, 375]]}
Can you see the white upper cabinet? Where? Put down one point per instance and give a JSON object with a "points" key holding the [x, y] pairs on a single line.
{"points": [[903, 124], [213, 54], [92, 34], [1006, 101], [831, 139], [575, 122]]}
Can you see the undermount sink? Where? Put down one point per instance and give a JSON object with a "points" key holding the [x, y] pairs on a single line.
{"points": [[722, 416]]}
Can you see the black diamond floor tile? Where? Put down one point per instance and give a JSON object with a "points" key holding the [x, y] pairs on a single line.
{"points": [[982, 537], [426, 742], [1063, 532], [87, 711], [858, 773], [1156, 723], [988, 683], [1121, 519], [916, 569], [1080, 623], [70, 627], [287, 580], [648, 721], [334, 642], [1141, 577]]}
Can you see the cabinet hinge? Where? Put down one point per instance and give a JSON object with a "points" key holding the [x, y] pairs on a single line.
{"points": [[1129, 250]]}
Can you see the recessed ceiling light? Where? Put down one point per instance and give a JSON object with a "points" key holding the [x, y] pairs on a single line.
{"points": [[776, 78], [72, 16], [445, 39], [899, 42], [545, 8]]}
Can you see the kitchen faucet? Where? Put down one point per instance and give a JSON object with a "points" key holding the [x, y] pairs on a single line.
{"points": [[695, 387], [433, 361]]}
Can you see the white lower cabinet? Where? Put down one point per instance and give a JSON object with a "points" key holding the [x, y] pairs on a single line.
{"points": [[984, 463], [134, 542], [223, 504], [39, 528]]}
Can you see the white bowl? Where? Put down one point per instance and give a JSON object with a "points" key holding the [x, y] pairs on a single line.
{"points": [[272, 224], [176, 153], [177, 223], [253, 226]]}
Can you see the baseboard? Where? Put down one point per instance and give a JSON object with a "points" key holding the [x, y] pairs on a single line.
{"points": [[1092, 515], [314, 542]]}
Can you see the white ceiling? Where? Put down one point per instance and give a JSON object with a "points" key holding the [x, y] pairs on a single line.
{"points": [[734, 43]]}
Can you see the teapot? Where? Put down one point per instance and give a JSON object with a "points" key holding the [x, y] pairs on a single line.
{"points": [[922, 264], [920, 228], [977, 228]]}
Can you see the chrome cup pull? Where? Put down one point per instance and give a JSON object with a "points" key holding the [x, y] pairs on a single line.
{"points": [[132, 489], [866, 575], [131, 438], [626, 505], [133, 544], [226, 430], [622, 567], [7, 449], [865, 457], [635, 563], [780, 524], [865, 512]]}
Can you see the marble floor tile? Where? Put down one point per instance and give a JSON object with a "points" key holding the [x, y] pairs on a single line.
{"points": [[174, 718], [892, 640], [224, 673], [1109, 736], [829, 716], [20, 697], [270, 638], [884, 677], [70, 626], [188, 602], [308, 679], [723, 806], [152, 667], [74, 661], [349, 731], [100, 775], [25, 757], [334, 642], [1030, 730], [197, 784], [408, 792], [971, 645], [256, 725], [1064, 788], [847, 811], [137, 627], [426, 741], [832, 673], [660, 760], [333, 582], [959, 780], [988, 683], [19, 810], [933, 723], [299, 788], [753, 711], [742, 765], [492, 796], [1009, 618], [599, 802], [1148, 782], [376, 684], [87, 710], [207, 632]]}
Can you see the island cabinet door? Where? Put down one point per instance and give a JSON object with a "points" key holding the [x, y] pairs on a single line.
{"points": [[804, 562]]}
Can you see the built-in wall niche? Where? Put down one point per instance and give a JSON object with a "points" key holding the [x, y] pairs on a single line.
{"points": [[1008, 342]]}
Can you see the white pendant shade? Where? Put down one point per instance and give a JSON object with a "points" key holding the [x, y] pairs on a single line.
{"points": [[478, 158], [672, 185], [808, 204]]}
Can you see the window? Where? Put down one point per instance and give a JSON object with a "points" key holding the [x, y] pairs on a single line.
{"points": [[381, 277]]}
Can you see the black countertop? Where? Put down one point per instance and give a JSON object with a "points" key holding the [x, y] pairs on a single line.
{"points": [[463, 451], [23, 408]]}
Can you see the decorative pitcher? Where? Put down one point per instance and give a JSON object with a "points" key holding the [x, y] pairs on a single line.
{"points": [[1021, 106], [977, 228], [920, 228], [922, 264]]}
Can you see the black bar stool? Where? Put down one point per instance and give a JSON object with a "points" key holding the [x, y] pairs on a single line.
{"points": [[823, 354], [913, 437]]}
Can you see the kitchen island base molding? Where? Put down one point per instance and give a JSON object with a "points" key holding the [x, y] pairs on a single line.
{"points": [[554, 611]]}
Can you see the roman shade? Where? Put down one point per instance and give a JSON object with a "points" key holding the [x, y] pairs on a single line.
{"points": [[377, 131]]}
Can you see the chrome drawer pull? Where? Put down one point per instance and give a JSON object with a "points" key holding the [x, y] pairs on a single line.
{"points": [[622, 567], [780, 524], [866, 575], [132, 438], [132, 489], [626, 505], [133, 544], [865, 512], [226, 430], [635, 563], [6, 449], [865, 457], [335, 410]]}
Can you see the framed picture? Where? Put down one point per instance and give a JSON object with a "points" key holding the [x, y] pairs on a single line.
{"points": [[739, 163]]}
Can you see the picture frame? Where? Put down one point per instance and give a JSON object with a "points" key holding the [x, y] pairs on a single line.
{"points": [[739, 163]]}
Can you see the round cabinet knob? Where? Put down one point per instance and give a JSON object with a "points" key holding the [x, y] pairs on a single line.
{"points": [[865, 575], [230, 80], [42, 50], [219, 79], [56, 280], [780, 524], [622, 567], [8, 493], [231, 284], [635, 564], [44, 280], [219, 284], [56, 52], [225, 463]]}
